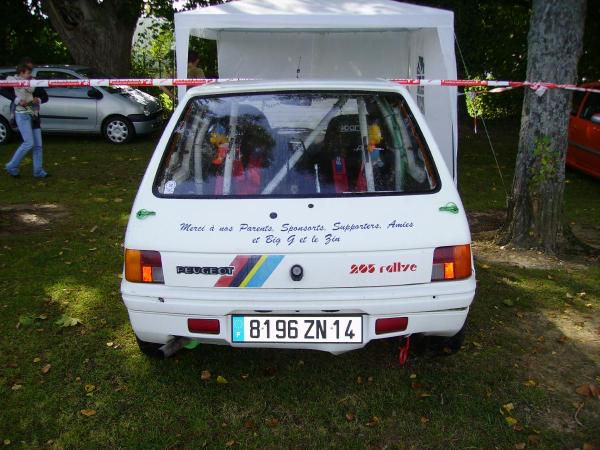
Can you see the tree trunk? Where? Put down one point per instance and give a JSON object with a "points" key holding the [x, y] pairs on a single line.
{"points": [[535, 210], [97, 34]]}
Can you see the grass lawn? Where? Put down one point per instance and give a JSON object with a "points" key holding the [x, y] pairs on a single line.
{"points": [[533, 338]]}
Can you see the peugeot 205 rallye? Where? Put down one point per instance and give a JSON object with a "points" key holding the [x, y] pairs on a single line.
{"points": [[296, 214]]}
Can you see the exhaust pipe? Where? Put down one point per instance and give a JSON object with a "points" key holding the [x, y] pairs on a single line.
{"points": [[173, 346]]}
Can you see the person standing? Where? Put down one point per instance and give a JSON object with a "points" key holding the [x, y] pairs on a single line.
{"points": [[193, 71], [27, 104]]}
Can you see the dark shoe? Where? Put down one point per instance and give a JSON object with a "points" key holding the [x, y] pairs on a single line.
{"points": [[13, 174], [42, 176]]}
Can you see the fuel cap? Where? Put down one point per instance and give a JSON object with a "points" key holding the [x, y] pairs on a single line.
{"points": [[296, 272]]}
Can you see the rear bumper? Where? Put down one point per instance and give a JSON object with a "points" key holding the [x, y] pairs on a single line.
{"points": [[435, 309]]}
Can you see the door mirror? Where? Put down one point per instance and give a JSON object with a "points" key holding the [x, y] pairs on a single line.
{"points": [[94, 93], [596, 118]]}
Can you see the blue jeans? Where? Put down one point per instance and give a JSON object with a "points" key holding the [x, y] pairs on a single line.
{"points": [[32, 140]]}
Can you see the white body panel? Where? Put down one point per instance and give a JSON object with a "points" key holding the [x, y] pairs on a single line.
{"points": [[361, 255]]}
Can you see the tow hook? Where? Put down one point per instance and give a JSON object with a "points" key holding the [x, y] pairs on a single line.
{"points": [[404, 347], [173, 346]]}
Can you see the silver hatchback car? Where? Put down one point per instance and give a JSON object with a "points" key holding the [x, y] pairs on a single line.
{"points": [[118, 113]]}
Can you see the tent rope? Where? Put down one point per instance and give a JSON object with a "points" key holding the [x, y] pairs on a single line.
{"points": [[462, 58]]}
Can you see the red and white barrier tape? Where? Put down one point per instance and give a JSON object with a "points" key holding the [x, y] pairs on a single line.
{"points": [[499, 86], [137, 82]]}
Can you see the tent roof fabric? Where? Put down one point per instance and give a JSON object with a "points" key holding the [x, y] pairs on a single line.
{"points": [[313, 15]]}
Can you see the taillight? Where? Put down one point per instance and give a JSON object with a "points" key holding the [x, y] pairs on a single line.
{"points": [[143, 266], [451, 263], [206, 326], [391, 325]]}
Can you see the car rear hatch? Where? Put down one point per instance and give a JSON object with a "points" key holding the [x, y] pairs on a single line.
{"points": [[305, 190]]}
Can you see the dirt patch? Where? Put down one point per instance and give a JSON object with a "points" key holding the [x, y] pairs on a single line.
{"points": [[588, 234], [485, 221], [485, 224], [30, 217], [488, 252], [566, 355]]}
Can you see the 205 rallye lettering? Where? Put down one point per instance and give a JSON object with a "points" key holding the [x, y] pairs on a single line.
{"points": [[389, 268]]}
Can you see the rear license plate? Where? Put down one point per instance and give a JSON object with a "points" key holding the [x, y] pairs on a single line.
{"points": [[297, 329]]}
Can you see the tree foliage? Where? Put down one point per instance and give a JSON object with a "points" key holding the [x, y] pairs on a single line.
{"points": [[24, 32], [91, 32], [153, 50], [492, 37]]}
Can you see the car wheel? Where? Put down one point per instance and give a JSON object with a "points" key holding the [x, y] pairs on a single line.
{"points": [[442, 345], [5, 131], [118, 130], [149, 348]]}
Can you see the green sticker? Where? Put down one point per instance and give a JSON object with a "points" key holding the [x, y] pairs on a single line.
{"points": [[449, 207], [144, 213]]}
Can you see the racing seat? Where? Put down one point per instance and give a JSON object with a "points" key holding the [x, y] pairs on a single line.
{"points": [[342, 154], [255, 151]]}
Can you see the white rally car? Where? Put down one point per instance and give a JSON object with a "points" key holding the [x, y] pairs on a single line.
{"points": [[296, 214]]}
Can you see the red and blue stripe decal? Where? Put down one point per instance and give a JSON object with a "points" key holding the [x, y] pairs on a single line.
{"points": [[250, 271]]}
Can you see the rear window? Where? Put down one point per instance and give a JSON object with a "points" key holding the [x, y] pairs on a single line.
{"points": [[577, 97], [299, 144], [591, 107]]}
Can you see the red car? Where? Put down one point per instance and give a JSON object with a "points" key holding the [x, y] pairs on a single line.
{"points": [[584, 132]]}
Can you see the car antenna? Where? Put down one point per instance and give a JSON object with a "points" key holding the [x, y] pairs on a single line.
{"points": [[298, 69]]}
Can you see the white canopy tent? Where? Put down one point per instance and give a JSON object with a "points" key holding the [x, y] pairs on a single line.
{"points": [[334, 39]]}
